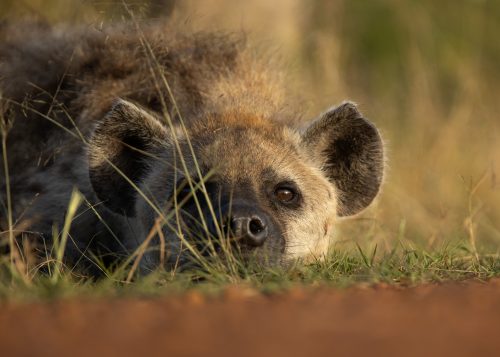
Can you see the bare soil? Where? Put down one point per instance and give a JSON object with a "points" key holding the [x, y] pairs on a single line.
{"points": [[459, 319]]}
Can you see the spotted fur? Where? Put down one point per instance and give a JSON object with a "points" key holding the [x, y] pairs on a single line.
{"points": [[90, 106]]}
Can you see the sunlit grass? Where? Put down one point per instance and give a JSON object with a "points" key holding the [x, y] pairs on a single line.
{"points": [[404, 266]]}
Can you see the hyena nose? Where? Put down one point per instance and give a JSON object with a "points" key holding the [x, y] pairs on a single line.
{"points": [[249, 230]]}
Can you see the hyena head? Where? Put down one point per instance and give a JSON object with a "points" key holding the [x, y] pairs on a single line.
{"points": [[272, 191]]}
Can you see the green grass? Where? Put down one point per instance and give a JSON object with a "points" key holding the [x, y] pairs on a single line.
{"points": [[403, 266]]}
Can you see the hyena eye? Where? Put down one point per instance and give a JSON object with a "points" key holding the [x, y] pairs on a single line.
{"points": [[286, 194]]}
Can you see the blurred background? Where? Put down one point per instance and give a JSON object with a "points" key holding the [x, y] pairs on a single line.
{"points": [[426, 72]]}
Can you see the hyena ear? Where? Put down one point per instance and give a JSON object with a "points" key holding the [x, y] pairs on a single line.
{"points": [[349, 150], [123, 144]]}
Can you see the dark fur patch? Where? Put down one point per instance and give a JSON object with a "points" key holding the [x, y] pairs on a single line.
{"points": [[351, 153], [122, 141]]}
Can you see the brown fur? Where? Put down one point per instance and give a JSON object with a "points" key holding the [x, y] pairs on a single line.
{"points": [[237, 121]]}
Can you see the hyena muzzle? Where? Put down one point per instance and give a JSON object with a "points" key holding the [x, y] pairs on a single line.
{"points": [[184, 140]]}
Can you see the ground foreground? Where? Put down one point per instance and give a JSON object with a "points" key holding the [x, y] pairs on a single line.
{"points": [[451, 319]]}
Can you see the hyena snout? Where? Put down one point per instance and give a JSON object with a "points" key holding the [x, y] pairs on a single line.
{"points": [[248, 226]]}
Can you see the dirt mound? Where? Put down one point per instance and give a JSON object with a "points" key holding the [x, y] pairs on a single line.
{"points": [[452, 319]]}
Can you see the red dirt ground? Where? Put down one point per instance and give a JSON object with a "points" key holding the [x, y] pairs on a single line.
{"points": [[451, 319]]}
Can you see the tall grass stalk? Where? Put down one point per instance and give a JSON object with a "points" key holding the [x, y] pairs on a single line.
{"points": [[4, 128], [60, 243]]}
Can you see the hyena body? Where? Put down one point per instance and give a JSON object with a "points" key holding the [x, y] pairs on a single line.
{"points": [[90, 107]]}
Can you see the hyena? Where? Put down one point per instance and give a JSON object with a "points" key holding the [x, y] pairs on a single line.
{"points": [[192, 127]]}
